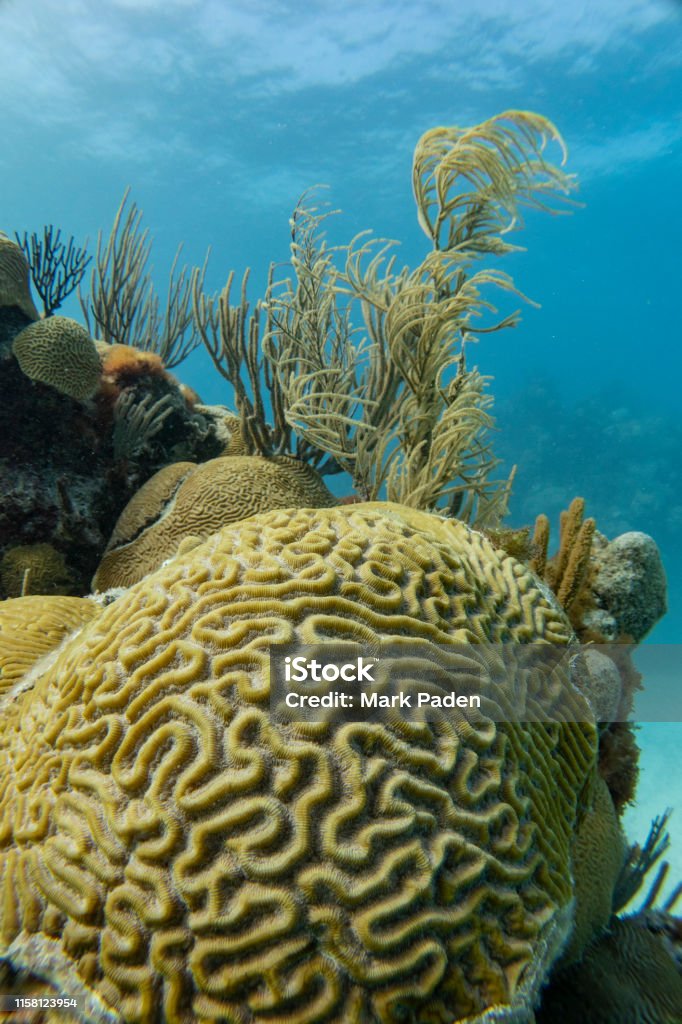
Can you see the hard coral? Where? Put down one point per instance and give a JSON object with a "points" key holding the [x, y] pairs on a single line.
{"points": [[30, 627], [629, 976], [599, 851], [59, 352], [185, 499], [183, 855], [15, 289]]}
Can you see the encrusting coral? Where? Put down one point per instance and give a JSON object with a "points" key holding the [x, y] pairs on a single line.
{"points": [[186, 500], [59, 352], [34, 569], [171, 846]]}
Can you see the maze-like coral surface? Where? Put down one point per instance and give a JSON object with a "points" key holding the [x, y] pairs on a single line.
{"points": [[185, 499], [59, 352], [195, 860], [31, 627]]}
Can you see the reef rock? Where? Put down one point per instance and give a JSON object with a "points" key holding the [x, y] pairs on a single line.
{"points": [[629, 588], [597, 676], [79, 435]]}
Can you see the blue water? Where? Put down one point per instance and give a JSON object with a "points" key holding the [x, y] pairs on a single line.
{"points": [[220, 114]]}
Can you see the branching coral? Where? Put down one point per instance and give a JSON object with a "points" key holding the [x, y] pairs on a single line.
{"points": [[391, 401], [123, 303], [639, 863], [56, 268], [567, 573]]}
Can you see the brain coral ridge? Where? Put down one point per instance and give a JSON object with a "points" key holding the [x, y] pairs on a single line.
{"points": [[184, 499], [193, 859]]}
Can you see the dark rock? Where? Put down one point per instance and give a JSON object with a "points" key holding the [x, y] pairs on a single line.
{"points": [[68, 468]]}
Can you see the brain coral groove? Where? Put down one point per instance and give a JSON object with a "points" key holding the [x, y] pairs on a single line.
{"points": [[198, 861]]}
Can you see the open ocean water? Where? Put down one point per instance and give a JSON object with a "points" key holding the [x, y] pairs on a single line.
{"points": [[220, 113]]}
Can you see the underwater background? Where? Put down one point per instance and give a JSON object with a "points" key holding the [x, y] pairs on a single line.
{"points": [[219, 114]]}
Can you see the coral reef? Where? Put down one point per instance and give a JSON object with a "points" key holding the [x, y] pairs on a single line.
{"points": [[171, 848], [186, 500], [187, 857], [68, 467]]}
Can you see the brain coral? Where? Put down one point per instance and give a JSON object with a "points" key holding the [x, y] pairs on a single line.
{"points": [[169, 844], [59, 352], [185, 499], [14, 278], [30, 627], [598, 854]]}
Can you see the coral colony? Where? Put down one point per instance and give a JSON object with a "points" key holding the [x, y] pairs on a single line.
{"points": [[173, 850]]}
